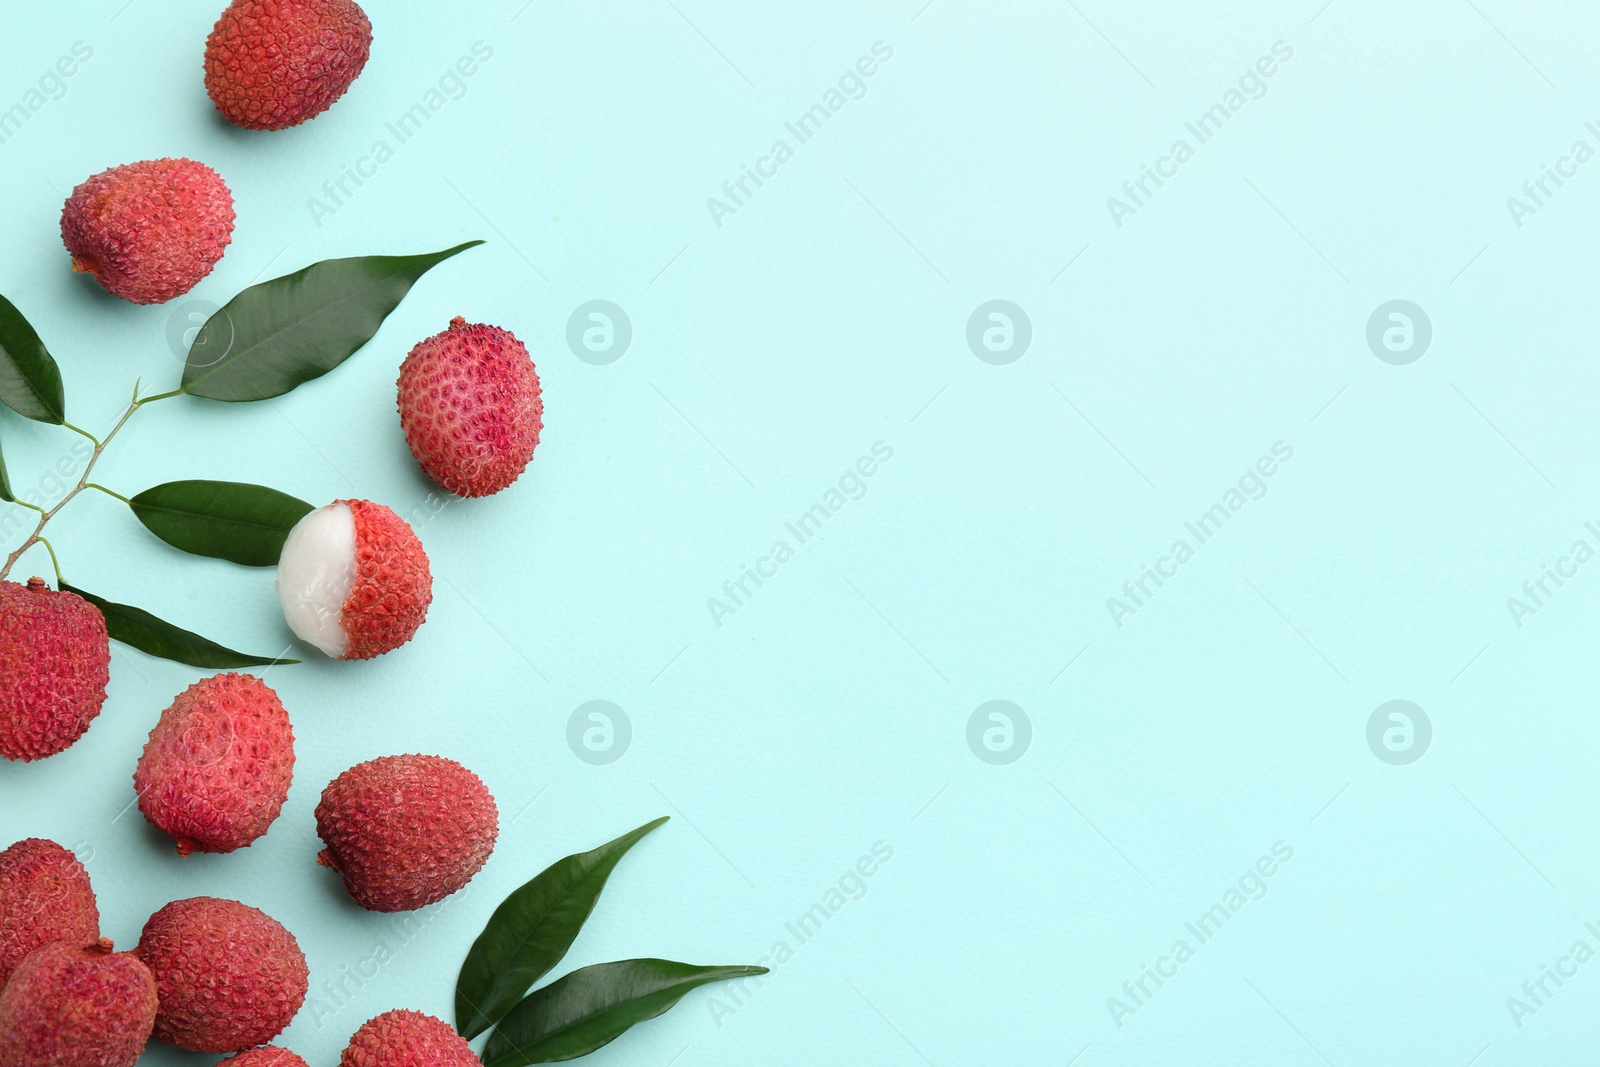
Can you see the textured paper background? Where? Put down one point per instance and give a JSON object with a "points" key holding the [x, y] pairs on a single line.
{"points": [[1175, 340]]}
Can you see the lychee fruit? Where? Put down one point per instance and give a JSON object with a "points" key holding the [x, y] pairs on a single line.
{"points": [[407, 1039], [217, 768], [72, 1005], [149, 231], [271, 64], [353, 580], [265, 1056], [230, 977], [55, 662], [44, 896], [406, 831], [471, 408]]}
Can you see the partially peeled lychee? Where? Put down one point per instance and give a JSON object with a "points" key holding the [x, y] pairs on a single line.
{"points": [[353, 580], [55, 663]]}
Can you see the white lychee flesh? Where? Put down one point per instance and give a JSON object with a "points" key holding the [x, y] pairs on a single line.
{"points": [[315, 575]]}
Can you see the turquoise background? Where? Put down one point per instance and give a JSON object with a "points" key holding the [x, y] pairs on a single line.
{"points": [[829, 714]]}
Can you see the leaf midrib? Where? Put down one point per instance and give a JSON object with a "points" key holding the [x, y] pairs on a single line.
{"points": [[436, 258], [523, 943], [690, 984], [169, 510], [623, 844], [227, 364]]}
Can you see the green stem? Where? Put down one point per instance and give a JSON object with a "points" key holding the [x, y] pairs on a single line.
{"points": [[108, 492], [54, 562], [157, 396], [83, 433], [83, 483]]}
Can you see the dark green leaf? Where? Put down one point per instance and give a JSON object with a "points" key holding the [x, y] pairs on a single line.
{"points": [[142, 630], [280, 334], [5, 481], [235, 521], [529, 933], [30, 381], [592, 1007]]}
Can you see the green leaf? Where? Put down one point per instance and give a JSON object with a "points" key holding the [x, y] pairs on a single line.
{"points": [[235, 521], [142, 630], [285, 332], [30, 381], [529, 933], [592, 1007], [5, 482]]}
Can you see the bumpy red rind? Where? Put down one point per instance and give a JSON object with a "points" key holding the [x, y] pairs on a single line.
{"points": [[55, 663], [45, 896], [217, 768], [71, 1005], [406, 831], [230, 976], [149, 231], [393, 586], [265, 1056], [407, 1039], [271, 64], [471, 407]]}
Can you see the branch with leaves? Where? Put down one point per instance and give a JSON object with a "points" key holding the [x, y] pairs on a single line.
{"points": [[265, 342], [582, 1011]]}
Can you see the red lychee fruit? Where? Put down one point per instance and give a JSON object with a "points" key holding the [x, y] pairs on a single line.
{"points": [[353, 580], [406, 831], [149, 231], [230, 976], [407, 1039], [70, 1005], [55, 662], [271, 64], [44, 896], [265, 1056], [217, 768], [471, 407]]}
